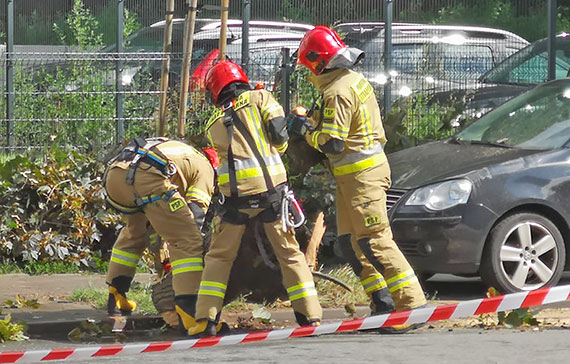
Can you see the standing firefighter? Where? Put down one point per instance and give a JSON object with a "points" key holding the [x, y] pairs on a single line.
{"points": [[168, 184], [347, 127], [248, 129]]}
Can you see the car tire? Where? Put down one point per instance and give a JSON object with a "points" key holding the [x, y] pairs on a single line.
{"points": [[524, 251]]}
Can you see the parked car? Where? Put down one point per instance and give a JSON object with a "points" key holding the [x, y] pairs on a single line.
{"points": [[518, 73], [266, 38], [492, 200], [430, 57]]}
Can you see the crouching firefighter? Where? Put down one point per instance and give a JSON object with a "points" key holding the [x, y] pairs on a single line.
{"points": [[167, 184], [347, 127], [248, 129]]}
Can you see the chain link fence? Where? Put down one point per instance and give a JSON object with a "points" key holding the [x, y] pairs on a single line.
{"points": [[63, 67]]}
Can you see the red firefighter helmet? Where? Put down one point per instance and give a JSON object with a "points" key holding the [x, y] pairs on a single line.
{"points": [[318, 47], [222, 74]]}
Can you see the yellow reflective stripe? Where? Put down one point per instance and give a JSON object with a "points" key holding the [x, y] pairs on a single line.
{"points": [[252, 172], [365, 119], [373, 283], [154, 238], [283, 147], [373, 161], [198, 195], [124, 258], [263, 145], [125, 254], [301, 290], [315, 140], [401, 280], [334, 129], [399, 276], [123, 262], [269, 108], [186, 260], [209, 288]]}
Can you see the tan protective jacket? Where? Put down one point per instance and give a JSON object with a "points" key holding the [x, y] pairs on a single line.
{"points": [[256, 109], [194, 177], [349, 112]]}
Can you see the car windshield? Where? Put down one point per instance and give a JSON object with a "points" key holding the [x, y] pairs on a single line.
{"points": [[538, 119], [440, 60], [529, 66]]}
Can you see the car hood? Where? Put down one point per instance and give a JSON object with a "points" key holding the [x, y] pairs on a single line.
{"points": [[436, 161]]}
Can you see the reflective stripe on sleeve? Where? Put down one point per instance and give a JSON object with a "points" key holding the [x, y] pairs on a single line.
{"points": [[335, 130], [374, 283], [199, 195], [209, 288], [124, 258], [269, 108], [301, 290], [283, 147], [187, 265], [401, 280]]}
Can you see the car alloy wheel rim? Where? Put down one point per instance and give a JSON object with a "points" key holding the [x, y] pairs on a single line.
{"points": [[529, 256]]}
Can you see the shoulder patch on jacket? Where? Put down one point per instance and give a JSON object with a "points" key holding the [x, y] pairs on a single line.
{"points": [[329, 112], [362, 89], [242, 101]]}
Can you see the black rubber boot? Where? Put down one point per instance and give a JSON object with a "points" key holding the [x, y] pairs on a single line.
{"points": [[117, 298], [382, 302], [185, 306], [302, 320]]}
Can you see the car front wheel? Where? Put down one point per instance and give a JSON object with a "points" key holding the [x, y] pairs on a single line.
{"points": [[524, 251]]}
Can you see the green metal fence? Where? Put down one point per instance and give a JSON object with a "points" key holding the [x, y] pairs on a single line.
{"points": [[65, 82]]}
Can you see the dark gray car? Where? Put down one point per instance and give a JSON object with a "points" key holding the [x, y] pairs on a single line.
{"points": [[493, 200]]}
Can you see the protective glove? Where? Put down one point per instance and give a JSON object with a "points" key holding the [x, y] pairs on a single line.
{"points": [[297, 125]]}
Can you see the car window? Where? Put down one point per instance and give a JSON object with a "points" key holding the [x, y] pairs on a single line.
{"points": [[443, 61], [538, 119], [530, 65]]}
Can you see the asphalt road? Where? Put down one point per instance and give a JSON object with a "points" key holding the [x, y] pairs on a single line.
{"points": [[458, 346], [465, 345]]}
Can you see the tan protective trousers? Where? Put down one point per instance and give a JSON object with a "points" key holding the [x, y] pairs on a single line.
{"points": [[367, 223], [177, 228], [226, 241]]}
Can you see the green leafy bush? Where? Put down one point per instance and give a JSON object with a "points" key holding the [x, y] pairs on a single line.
{"points": [[52, 209], [10, 331]]}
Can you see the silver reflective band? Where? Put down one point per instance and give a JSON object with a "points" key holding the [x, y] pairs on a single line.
{"points": [[242, 164], [356, 156]]}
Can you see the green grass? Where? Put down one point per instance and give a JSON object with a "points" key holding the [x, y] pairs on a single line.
{"points": [[98, 298], [332, 295]]}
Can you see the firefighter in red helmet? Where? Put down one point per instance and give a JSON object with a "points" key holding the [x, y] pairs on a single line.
{"points": [[347, 127], [248, 129]]}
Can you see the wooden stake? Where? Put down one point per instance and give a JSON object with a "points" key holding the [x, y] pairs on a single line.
{"points": [[185, 76], [223, 29], [315, 242], [166, 48]]}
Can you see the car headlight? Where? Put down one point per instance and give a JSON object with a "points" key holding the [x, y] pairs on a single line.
{"points": [[442, 195]]}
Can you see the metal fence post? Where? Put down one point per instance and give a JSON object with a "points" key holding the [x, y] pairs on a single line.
{"points": [[285, 86], [10, 93], [551, 47], [246, 14], [388, 55], [118, 72]]}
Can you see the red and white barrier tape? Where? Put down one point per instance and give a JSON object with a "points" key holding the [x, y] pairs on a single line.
{"points": [[421, 315]]}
